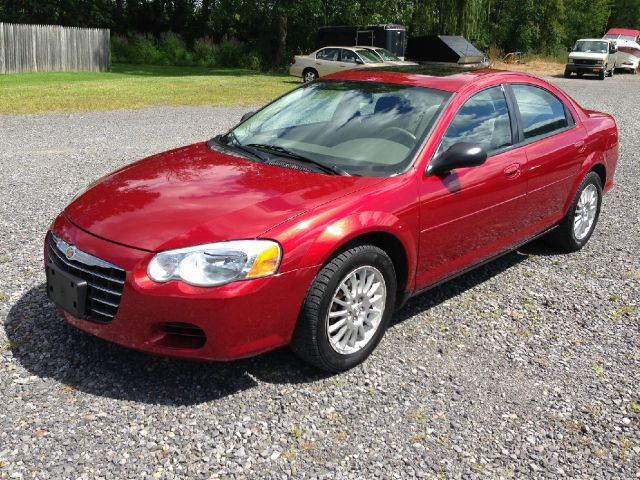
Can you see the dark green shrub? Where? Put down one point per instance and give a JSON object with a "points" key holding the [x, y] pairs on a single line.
{"points": [[229, 54], [120, 49], [204, 53], [250, 61], [144, 51], [173, 51]]}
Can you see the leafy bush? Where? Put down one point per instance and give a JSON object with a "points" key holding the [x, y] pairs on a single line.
{"points": [[229, 53], [250, 61], [119, 49], [173, 50], [204, 53], [143, 50], [170, 49]]}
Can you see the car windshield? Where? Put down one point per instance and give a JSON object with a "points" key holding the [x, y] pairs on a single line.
{"points": [[368, 56], [386, 55], [628, 38], [591, 46], [362, 128]]}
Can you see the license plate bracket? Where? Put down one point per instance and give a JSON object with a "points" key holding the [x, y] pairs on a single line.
{"points": [[67, 291]]}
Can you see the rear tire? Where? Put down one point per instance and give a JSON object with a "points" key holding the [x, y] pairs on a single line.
{"points": [[331, 308], [611, 73], [573, 233], [309, 75], [580, 74]]}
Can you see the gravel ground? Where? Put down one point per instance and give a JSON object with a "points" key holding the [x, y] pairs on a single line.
{"points": [[528, 367]]}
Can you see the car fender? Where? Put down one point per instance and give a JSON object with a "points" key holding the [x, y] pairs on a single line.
{"points": [[319, 243], [591, 161]]}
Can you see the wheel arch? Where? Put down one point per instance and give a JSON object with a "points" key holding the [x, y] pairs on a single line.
{"points": [[391, 245], [594, 163], [601, 170]]}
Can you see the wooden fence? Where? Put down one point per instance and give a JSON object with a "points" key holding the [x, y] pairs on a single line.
{"points": [[51, 48]]}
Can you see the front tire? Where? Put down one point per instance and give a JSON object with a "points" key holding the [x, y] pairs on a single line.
{"points": [[567, 74], [347, 309], [578, 225], [602, 74], [309, 75]]}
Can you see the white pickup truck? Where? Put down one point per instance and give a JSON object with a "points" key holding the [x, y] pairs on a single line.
{"points": [[594, 56]]}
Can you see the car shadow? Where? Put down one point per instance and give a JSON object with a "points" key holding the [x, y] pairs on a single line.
{"points": [[47, 347]]}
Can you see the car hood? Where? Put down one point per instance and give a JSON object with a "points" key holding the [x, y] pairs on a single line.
{"points": [[194, 195]]}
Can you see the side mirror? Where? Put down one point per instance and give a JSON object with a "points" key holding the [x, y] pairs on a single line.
{"points": [[570, 49], [359, 61], [246, 116], [460, 155], [613, 49]]}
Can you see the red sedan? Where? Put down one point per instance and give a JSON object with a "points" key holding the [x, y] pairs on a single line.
{"points": [[313, 219]]}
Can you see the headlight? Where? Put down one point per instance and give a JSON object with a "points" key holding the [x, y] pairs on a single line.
{"points": [[603, 61], [216, 263], [571, 60]]}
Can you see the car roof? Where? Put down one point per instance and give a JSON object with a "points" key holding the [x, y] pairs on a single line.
{"points": [[623, 31], [451, 79], [593, 40], [340, 46]]}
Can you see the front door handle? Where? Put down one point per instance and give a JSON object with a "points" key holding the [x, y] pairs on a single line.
{"points": [[580, 146], [513, 170]]}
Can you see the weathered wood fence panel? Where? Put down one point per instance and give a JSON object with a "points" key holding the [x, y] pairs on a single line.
{"points": [[52, 48]]}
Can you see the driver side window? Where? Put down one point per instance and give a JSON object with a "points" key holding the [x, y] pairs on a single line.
{"points": [[349, 56], [484, 120]]}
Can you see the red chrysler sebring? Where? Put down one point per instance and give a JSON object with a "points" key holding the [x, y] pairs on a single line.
{"points": [[313, 219]]}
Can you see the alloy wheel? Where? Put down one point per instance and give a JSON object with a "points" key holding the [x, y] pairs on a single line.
{"points": [[585, 213], [356, 310]]}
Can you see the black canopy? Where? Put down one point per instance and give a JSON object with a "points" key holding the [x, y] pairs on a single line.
{"points": [[443, 48]]}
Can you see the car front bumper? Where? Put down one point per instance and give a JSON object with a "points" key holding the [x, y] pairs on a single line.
{"points": [[577, 68], [239, 319]]}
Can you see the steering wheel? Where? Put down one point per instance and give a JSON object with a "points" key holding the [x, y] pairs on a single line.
{"points": [[401, 135]]}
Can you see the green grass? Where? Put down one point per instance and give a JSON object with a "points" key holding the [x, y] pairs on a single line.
{"points": [[138, 86]]}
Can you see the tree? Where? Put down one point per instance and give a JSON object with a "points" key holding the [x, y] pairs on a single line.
{"points": [[626, 14]]}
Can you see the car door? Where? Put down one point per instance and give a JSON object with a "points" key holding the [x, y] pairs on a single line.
{"points": [[555, 148], [327, 61], [348, 59], [471, 214]]}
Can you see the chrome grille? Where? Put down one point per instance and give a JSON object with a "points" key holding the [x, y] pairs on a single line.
{"points": [[580, 61], [105, 281]]}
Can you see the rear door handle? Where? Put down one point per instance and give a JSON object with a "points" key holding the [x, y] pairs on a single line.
{"points": [[512, 170], [580, 146]]}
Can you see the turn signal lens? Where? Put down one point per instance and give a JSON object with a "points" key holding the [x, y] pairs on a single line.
{"points": [[266, 262]]}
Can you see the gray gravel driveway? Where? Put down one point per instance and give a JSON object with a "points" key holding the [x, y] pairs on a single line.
{"points": [[528, 367]]}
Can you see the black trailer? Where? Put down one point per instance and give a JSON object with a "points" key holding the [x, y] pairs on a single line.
{"points": [[390, 36], [444, 49]]}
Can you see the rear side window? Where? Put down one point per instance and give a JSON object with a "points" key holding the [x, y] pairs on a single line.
{"points": [[541, 112], [484, 120], [329, 54]]}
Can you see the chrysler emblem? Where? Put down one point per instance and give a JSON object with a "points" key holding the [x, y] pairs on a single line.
{"points": [[71, 251]]}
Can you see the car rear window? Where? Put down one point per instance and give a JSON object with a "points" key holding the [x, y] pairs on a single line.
{"points": [[542, 112]]}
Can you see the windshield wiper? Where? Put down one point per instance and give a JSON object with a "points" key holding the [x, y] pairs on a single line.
{"points": [[234, 143], [281, 151]]}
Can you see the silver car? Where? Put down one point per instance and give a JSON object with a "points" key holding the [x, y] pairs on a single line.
{"points": [[387, 57], [328, 60]]}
